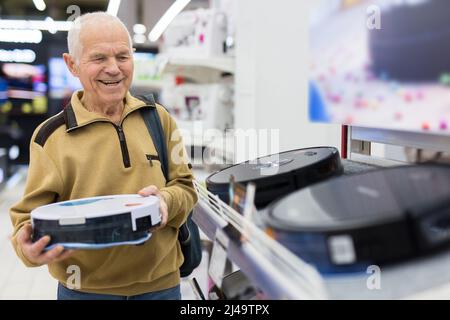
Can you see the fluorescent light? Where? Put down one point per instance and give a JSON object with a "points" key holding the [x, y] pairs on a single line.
{"points": [[35, 24], [167, 18], [39, 4], [113, 7], [51, 25], [20, 35], [139, 38], [17, 55], [139, 28]]}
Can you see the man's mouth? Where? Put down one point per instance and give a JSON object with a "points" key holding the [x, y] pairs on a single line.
{"points": [[110, 83]]}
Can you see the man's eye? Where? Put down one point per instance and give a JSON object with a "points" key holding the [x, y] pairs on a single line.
{"points": [[99, 59], [123, 58]]}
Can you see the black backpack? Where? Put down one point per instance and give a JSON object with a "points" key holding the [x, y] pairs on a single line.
{"points": [[189, 234]]}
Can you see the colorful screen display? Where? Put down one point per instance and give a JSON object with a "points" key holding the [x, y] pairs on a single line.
{"points": [[61, 82], [23, 89], [381, 64]]}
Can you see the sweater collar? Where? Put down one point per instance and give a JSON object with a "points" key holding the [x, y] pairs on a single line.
{"points": [[76, 115]]}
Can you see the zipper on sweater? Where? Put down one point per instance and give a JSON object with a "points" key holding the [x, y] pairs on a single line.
{"points": [[123, 146]]}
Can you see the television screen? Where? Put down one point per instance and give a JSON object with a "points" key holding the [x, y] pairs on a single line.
{"points": [[145, 69], [61, 82], [381, 64], [23, 89]]}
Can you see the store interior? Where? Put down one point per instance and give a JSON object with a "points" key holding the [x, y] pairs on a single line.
{"points": [[319, 112]]}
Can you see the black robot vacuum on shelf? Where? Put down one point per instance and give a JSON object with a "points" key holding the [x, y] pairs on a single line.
{"points": [[278, 174], [375, 218]]}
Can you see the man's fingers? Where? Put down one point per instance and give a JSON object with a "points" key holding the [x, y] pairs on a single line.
{"points": [[52, 254], [164, 217], [37, 247], [24, 235], [147, 191], [35, 251], [163, 212]]}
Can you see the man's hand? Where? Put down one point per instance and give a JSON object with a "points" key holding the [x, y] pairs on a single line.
{"points": [[35, 253], [153, 190]]}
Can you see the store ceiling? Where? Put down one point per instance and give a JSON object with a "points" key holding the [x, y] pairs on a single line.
{"points": [[56, 9]]}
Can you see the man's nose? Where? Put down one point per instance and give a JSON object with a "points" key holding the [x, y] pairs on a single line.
{"points": [[112, 67]]}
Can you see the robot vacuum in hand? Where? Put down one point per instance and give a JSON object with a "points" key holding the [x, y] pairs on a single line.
{"points": [[98, 222]]}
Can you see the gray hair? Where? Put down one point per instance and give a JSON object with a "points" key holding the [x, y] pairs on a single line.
{"points": [[99, 18]]}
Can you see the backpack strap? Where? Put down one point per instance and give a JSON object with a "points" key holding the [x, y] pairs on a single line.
{"points": [[155, 129], [188, 233]]}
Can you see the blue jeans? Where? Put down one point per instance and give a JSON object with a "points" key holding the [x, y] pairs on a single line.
{"points": [[166, 294]]}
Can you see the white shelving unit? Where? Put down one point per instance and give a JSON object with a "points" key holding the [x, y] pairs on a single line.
{"points": [[224, 64], [200, 70], [150, 84]]}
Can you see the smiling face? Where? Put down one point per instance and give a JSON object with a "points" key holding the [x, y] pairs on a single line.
{"points": [[105, 66]]}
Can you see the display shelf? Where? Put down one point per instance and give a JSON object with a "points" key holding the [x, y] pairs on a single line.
{"points": [[149, 84], [283, 275], [269, 266], [201, 70], [223, 64]]}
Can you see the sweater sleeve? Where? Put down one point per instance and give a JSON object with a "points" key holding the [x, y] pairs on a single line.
{"points": [[179, 192], [43, 186]]}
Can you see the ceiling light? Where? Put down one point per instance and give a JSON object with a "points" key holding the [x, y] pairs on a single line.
{"points": [[167, 18], [35, 24], [39, 4], [139, 28], [51, 25], [20, 35], [139, 38], [17, 55], [113, 7]]}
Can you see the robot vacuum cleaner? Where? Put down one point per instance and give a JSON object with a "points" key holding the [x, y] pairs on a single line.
{"points": [[378, 217], [278, 174], [98, 222]]}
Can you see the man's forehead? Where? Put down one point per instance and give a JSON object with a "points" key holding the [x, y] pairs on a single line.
{"points": [[107, 48], [111, 35]]}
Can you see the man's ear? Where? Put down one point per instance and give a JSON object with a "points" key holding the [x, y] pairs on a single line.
{"points": [[70, 63]]}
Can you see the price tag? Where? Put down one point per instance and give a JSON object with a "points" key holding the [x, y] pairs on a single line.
{"points": [[218, 257]]}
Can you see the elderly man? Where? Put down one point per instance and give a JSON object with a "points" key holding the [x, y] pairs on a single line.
{"points": [[98, 145]]}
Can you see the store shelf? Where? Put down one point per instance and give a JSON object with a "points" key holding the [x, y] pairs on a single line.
{"points": [[202, 70], [268, 265], [148, 84], [223, 64], [283, 275]]}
